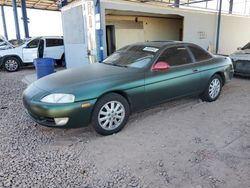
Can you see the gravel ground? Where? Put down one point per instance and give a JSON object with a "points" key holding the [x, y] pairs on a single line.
{"points": [[184, 143]]}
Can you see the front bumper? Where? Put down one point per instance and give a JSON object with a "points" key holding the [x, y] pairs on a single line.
{"points": [[44, 113], [1, 61], [242, 68]]}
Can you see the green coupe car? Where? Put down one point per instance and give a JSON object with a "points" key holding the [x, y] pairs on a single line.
{"points": [[133, 78]]}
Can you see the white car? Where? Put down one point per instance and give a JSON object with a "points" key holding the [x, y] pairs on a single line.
{"points": [[13, 58]]}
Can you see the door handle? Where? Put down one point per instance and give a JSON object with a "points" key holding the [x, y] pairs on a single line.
{"points": [[195, 70]]}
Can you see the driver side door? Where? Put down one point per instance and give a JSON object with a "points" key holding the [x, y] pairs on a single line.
{"points": [[30, 51], [181, 79]]}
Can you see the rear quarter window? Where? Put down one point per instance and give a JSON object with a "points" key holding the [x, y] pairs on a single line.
{"points": [[54, 42], [199, 54]]}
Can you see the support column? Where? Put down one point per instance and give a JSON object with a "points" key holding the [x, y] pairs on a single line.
{"points": [[16, 19], [218, 28], [99, 32], [25, 18], [4, 23], [231, 3], [176, 3]]}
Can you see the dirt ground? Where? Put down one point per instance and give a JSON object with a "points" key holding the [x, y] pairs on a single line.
{"points": [[186, 143]]}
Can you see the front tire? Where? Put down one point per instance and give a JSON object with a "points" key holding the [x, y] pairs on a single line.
{"points": [[110, 114], [11, 64], [213, 89]]}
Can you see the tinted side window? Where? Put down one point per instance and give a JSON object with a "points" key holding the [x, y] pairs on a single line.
{"points": [[54, 42], [176, 56], [33, 44], [199, 54]]}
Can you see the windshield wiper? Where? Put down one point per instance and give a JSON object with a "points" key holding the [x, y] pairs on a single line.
{"points": [[117, 65]]}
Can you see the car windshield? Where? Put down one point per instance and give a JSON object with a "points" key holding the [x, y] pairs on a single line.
{"points": [[132, 56], [247, 46], [17, 43], [21, 42]]}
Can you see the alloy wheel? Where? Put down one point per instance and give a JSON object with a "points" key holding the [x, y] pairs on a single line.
{"points": [[214, 88], [11, 65], [111, 115]]}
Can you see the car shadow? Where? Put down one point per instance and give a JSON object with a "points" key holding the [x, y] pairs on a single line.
{"points": [[82, 134], [173, 105], [242, 77]]}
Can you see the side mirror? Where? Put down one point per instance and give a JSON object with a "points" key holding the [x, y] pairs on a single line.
{"points": [[239, 48], [160, 66]]}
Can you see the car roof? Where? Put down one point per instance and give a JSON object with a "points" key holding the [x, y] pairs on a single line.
{"points": [[52, 37], [160, 44], [46, 37]]}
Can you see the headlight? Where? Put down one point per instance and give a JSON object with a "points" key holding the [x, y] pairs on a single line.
{"points": [[58, 98]]}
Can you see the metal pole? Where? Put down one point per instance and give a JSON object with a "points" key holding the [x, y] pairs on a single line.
{"points": [[99, 32], [218, 28], [16, 19], [231, 2], [176, 3], [4, 23], [245, 9], [25, 18]]}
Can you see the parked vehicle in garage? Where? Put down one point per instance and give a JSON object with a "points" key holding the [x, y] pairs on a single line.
{"points": [[241, 60], [135, 77], [12, 59]]}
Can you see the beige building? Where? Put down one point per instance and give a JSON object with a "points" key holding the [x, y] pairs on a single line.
{"points": [[124, 22], [128, 22]]}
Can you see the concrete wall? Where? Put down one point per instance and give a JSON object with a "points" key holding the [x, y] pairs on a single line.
{"points": [[235, 32], [161, 28], [199, 26], [128, 31]]}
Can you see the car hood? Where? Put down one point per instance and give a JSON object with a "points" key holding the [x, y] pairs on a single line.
{"points": [[5, 44], [82, 81], [240, 55]]}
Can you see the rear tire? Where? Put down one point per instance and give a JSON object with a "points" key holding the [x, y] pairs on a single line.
{"points": [[61, 62], [213, 89], [110, 114], [11, 64]]}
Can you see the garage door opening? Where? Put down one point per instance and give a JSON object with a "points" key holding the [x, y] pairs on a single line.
{"points": [[123, 28], [110, 39]]}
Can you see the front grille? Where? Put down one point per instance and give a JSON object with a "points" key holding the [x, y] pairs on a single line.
{"points": [[42, 120]]}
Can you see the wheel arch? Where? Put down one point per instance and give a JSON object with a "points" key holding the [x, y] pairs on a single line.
{"points": [[119, 92], [15, 56], [221, 74]]}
